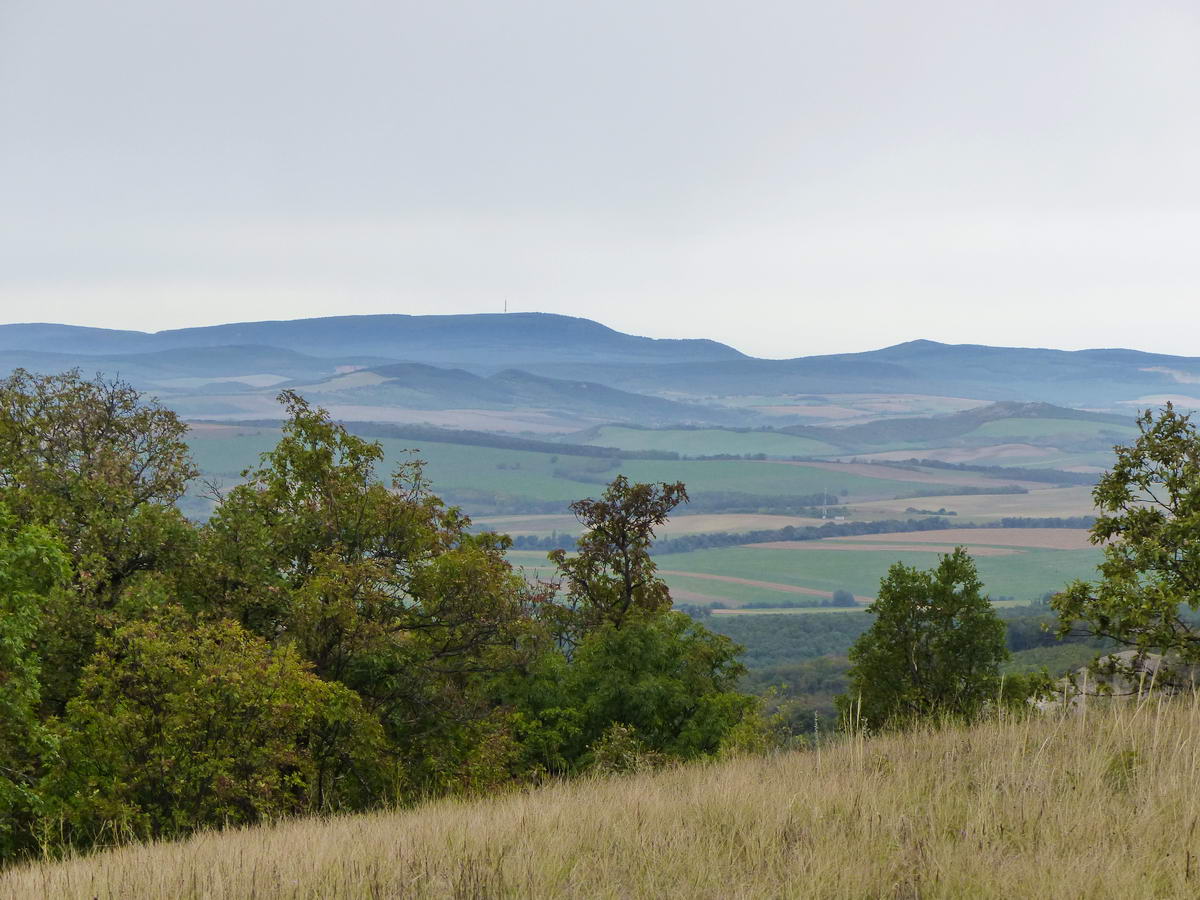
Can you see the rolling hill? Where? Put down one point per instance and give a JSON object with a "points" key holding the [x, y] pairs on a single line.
{"points": [[1097, 805], [534, 372]]}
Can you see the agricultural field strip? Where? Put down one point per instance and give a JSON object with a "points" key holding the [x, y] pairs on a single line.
{"points": [[942, 477], [1025, 576], [1037, 538], [1065, 501], [679, 524], [791, 610], [880, 547], [749, 582], [709, 441]]}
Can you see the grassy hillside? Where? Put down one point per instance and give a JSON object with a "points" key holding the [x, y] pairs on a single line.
{"points": [[1100, 805]]}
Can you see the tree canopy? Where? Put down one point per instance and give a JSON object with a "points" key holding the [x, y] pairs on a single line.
{"points": [[934, 648], [1149, 530], [329, 639]]}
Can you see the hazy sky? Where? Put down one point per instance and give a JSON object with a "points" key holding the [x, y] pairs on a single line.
{"points": [[789, 177]]}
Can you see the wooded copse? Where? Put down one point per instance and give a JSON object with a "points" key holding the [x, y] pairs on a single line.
{"points": [[324, 642], [328, 641]]}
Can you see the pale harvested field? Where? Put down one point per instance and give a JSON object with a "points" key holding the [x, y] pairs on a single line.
{"points": [[209, 431], [701, 523], [1044, 502], [1038, 538], [842, 544], [996, 454], [517, 420], [813, 411], [681, 595], [869, 407], [793, 610], [1097, 806], [750, 582], [894, 473]]}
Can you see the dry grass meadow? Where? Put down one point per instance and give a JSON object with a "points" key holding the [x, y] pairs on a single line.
{"points": [[1094, 805]]}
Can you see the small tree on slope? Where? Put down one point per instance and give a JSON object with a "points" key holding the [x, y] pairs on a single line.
{"points": [[935, 647]]}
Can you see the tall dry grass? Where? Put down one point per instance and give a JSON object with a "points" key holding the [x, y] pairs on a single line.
{"points": [[1100, 804]]}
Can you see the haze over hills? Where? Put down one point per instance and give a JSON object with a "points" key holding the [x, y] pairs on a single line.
{"points": [[483, 342], [547, 373]]}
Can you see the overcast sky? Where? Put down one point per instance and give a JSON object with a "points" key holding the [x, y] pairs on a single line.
{"points": [[788, 177]]}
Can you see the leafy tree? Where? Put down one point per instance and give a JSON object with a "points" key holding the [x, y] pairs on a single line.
{"points": [[180, 726], [100, 465], [935, 647], [610, 579], [661, 680], [842, 597], [668, 678], [102, 468], [382, 588], [32, 566], [1149, 527]]}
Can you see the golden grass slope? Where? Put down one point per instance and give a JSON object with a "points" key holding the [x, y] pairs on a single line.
{"points": [[1099, 805]]}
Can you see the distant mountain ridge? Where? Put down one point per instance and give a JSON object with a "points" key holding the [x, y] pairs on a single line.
{"points": [[576, 368], [479, 342]]}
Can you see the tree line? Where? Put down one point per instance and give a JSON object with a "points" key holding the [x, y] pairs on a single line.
{"points": [[325, 641]]}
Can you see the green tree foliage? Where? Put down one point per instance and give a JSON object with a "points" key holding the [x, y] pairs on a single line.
{"points": [[1149, 528], [610, 579], [179, 726], [100, 467], [935, 647], [98, 464], [326, 641], [380, 588], [667, 677], [662, 678], [32, 566]]}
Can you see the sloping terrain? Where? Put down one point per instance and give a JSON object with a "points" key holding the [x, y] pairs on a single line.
{"points": [[1096, 805]]}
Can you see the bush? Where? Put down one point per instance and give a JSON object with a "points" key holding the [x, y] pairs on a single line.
{"points": [[180, 726], [935, 647]]}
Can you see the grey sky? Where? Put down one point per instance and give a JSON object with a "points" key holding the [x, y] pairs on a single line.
{"points": [[789, 177]]}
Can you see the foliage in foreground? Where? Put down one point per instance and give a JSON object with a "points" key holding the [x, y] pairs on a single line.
{"points": [[1096, 805], [325, 642], [1150, 531]]}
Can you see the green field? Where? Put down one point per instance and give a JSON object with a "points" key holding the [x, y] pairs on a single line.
{"points": [[708, 441], [464, 472], [474, 474], [1024, 576]]}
